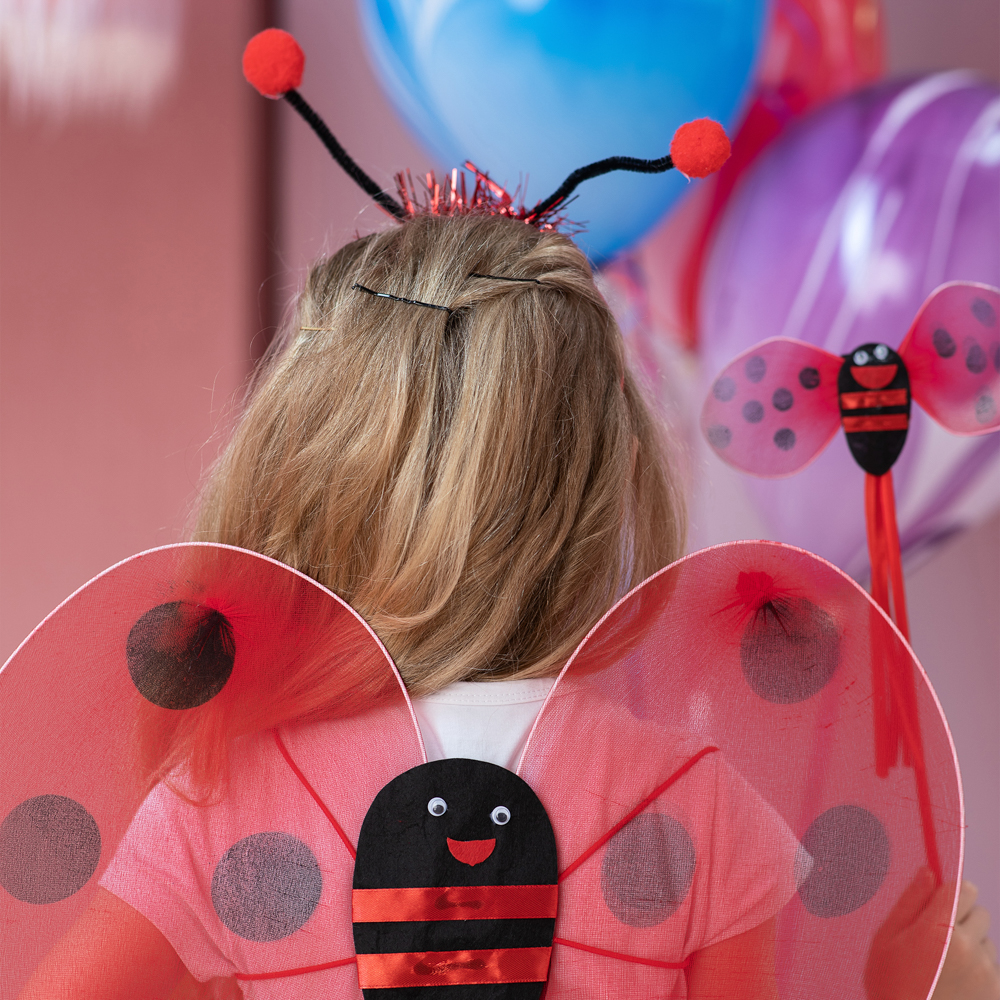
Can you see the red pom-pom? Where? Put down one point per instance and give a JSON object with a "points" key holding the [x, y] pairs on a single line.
{"points": [[699, 148], [273, 62]]}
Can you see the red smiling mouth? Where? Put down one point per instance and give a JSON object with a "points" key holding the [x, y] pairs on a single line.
{"points": [[471, 852]]}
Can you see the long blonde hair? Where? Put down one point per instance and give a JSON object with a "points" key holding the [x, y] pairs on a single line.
{"points": [[480, 484]]}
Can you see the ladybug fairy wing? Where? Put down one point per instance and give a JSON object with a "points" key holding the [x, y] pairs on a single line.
{"points": [[952, 353], [165, 666], [774, 408], [745, 738]]}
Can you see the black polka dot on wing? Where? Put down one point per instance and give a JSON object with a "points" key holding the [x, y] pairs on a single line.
{"points": [[944, 342], [647, 870], [996, 357], [984, 312], [266, 886], [719, 436], [753, 411], [180, 655], [784, 438], [850, 858], [975, 358], [755, 368], [790, 648], [986, 409], [49, 848], [782, 399], [809, 378], [724, 389]]}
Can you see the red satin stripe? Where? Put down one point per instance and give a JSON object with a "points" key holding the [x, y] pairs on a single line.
{"points": [[885, 422], [296, 972], [867, 400], [888, 499], [471, 902], [312, 791], [655, 794], [454, 968], [655, 963]]}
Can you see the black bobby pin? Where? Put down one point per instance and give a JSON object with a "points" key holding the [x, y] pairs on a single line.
{"points": [[399, 298], [297, 101], [500, 277], [595, 170]]}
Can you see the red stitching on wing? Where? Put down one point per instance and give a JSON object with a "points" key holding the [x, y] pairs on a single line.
{"points": [[624, 958], [655, 794], [312, 791], [297, 972]]}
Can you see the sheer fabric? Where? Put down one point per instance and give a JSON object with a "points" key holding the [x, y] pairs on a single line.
{"points": [[707, 760]]}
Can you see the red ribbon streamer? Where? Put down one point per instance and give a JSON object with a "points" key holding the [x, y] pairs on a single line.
{"points": [[467, 902], [897, 719], [454, 968]]}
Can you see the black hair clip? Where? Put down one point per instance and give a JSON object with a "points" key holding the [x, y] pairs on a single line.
{"points": [[500, 277], [399, 298]]}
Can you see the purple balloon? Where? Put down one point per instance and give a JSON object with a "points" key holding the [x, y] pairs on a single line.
{"points": [[835, 237]]}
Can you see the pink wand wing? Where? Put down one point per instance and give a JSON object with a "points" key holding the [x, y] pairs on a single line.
{"points": [[952, 353], [774, 408]]}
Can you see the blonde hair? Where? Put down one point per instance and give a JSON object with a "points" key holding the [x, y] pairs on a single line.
{"points": [[479, 484]]}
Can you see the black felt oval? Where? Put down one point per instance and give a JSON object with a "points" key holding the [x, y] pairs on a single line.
{"points": [[180, 655], [789, 650], [850, 852], [647, 870], [266, 886], [49, 848]]}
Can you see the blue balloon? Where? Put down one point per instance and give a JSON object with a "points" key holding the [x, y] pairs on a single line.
{"points": [[529, 90]]}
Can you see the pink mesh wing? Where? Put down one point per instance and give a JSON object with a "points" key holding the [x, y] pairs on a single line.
{"points": [[774, 408], [952, 353], [176, 641], [708, 760]]}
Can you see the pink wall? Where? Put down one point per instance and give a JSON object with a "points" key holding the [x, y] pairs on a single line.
{"points": [[129, 259]]}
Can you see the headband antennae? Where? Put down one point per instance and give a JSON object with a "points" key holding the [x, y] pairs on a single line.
{"points": [[698, 148], [273, 63]]}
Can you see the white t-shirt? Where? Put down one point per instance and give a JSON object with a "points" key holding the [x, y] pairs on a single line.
{"points": [[481, 721], [168, 863]]}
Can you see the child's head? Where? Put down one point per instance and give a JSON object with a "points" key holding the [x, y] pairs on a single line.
{"points": [[479, 484]]}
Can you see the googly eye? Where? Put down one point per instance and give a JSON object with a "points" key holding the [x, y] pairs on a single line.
{"points": [[881, 352], [861, 357], [500, 815], [437, 806]]}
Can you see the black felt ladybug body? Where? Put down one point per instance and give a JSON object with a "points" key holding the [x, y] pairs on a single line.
{"points": [[874, 395], [455, 886]]}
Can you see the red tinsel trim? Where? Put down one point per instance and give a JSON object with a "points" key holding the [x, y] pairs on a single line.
{"points": [[452, 197]]}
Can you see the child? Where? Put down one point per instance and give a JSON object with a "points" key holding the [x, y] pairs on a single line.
{"points": [[481, 483]]}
